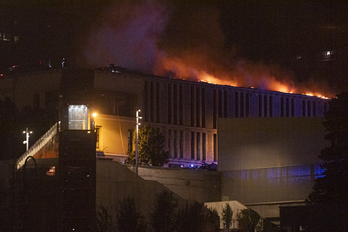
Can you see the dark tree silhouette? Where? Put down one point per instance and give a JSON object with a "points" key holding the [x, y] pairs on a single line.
{"points": [[164, 214], [129, 219], [333, 187], [151, 147]]}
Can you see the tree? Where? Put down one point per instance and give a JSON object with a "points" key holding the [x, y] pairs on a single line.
{"points": [[129, 219], [104, 220], [227, 214], [248, 220], [192, 218], [333, 187], [151, 147], [164, 214]]}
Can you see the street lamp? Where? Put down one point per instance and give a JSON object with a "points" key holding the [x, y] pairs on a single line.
{"points": [[27, 132], [137, 141]]}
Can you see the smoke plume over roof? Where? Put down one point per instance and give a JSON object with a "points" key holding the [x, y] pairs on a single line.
{"points": [[181, 40]]}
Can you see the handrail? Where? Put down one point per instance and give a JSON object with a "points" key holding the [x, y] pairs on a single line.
{"points": [[37, 145]]}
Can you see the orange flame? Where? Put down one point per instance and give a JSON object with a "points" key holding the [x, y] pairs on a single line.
{"points": [[246, 76]]}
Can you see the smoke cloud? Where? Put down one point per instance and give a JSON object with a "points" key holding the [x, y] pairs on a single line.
{"points": [[177, 40]]}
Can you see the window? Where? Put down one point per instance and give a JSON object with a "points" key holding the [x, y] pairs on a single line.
{"points": [[130, 139], [203, 146], [78, 117], [192, 145], [198, 143], [214, 147], [181, 144]]}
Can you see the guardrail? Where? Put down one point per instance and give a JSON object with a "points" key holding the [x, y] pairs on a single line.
{"points": [[37, 145]]}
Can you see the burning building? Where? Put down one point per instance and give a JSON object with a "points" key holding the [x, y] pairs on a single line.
{"points": [[186, 112]]}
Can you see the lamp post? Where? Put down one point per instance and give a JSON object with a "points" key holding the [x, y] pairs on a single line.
{"points": [[27, 132], [137, 142]]}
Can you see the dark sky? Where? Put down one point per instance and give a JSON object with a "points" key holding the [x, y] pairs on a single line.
{"points": [[285, 39]]}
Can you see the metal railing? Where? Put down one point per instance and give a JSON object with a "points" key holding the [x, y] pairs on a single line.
{"points": [[37, 145]]}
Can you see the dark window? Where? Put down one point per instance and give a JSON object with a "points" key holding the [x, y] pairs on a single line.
{"points": [[225, 104], [146, 116], [157, 102], [130, 139], [242, 104], [247, 104], [203, 107], [170, 142], [214, 108], [292, 107], [287, 109], [303, 108], [220, 103], [309, 109], [236, 105], [175, 144], [271, 106], [192, 145], [97, 132], [192, 106], [282, 106], [260, 105], [175, 99], [181, 105], [181, 144], [203, 146], [198, 108], [265, 106], [169, 104], [214, 147], [314, 109], [198, 143], [152, 102]]}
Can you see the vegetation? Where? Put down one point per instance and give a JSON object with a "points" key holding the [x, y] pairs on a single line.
{"points": [[248, 220], [104, 220], [129, 219], [151, 147], [164, 216], [192, 218], [227, 214], [333, 187]]}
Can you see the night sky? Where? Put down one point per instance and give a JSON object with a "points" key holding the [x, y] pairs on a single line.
{"points": [[243, 41]]}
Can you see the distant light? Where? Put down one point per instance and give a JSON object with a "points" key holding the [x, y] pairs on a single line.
{"points": [[94, 114]]}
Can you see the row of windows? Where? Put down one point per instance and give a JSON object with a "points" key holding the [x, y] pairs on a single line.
{"points": [[176, 144], [8, 37], [198, 146], [220, 104]]}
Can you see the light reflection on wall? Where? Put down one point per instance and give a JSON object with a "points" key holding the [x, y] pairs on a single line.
{"points": [[290, 172]]}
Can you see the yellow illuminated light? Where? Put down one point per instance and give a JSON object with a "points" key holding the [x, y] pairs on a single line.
{"points": [[94, 114]]}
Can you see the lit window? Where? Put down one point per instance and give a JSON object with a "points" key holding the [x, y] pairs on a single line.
{"points": [[327, 55], [6, 37], [16, 38], [78, 117]]}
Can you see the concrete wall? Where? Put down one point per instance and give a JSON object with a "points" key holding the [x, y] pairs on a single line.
{"points": [[115, 182], [199, 185], [252, 143], [268, 162]]}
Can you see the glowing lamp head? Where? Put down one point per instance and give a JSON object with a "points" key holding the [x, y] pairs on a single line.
{"points": [[94, 114]]}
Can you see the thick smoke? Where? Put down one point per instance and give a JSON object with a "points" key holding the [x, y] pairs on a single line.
{"points": [[178, 41], [126, 35]]}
